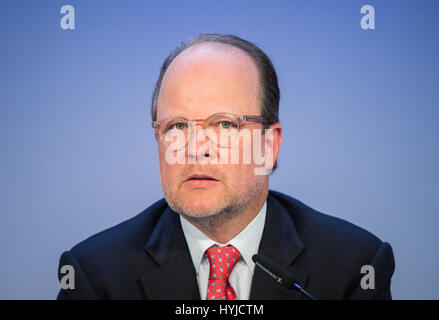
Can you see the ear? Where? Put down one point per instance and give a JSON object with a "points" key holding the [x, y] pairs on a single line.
{"points": [[277, 140], [273, 139]]}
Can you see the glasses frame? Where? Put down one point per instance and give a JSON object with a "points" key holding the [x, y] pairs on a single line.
{"points": [[240, 119]]}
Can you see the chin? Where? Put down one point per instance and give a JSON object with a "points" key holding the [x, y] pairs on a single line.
{"points": [[197, 202], [202, 205], [202, 196]]}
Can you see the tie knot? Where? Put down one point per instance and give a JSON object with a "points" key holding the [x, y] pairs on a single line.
{"points": [[222, 260]]}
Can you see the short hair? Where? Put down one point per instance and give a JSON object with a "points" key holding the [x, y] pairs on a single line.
{"points": [[269, 94]]}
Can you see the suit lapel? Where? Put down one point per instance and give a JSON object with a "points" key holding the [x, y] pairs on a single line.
{"points": [[281, 243], [174, 277]]}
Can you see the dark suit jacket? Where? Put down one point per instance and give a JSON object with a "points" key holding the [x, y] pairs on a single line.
{"points": [[147, 257]]}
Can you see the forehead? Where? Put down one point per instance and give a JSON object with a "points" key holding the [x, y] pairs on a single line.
{"points": [[209, 78]]}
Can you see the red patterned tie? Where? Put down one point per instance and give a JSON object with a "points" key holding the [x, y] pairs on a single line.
{"points": [[222, 260]]}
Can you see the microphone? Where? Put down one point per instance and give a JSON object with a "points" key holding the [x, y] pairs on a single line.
{"points": [[280, 274]]}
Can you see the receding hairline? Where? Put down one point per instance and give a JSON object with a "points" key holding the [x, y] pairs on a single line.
{"points": [[212, 44], [225, 47]]}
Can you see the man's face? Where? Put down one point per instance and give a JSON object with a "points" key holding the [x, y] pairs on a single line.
{"points": [[203, 80]]}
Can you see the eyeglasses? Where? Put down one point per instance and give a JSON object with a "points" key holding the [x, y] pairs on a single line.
{"points": [[220, 128]]}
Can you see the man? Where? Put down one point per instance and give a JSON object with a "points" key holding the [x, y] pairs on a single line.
{"points": [[218, 212]]}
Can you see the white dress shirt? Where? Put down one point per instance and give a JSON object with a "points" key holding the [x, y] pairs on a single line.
{"points": [[247, 242]]}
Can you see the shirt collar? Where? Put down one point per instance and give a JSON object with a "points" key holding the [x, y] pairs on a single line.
{"points": [[247, 241]]}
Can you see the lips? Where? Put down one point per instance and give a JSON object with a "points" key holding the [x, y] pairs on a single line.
{"points": [[201, 181], [200, 177]]}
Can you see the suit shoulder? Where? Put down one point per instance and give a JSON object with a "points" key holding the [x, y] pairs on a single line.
{"points": [[325, 230], [126, 236]]}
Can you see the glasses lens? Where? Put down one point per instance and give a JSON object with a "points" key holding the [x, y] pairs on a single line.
{"points": [[225, 127], [175, 132], [221, 129]]}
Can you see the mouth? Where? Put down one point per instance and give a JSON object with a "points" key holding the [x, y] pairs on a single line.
{"points": [[201, 181], [200, 177]]}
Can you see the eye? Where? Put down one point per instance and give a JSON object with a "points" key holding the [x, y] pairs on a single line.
{"points": [[225, 124], [179, 126]]}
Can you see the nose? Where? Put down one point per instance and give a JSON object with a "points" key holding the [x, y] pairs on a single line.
{"points": [[199, 145]]}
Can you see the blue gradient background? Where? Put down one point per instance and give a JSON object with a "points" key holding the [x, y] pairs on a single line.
{"points": [[359, 111]]}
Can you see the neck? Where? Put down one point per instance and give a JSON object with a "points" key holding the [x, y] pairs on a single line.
{"points": [[224, 227]]}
